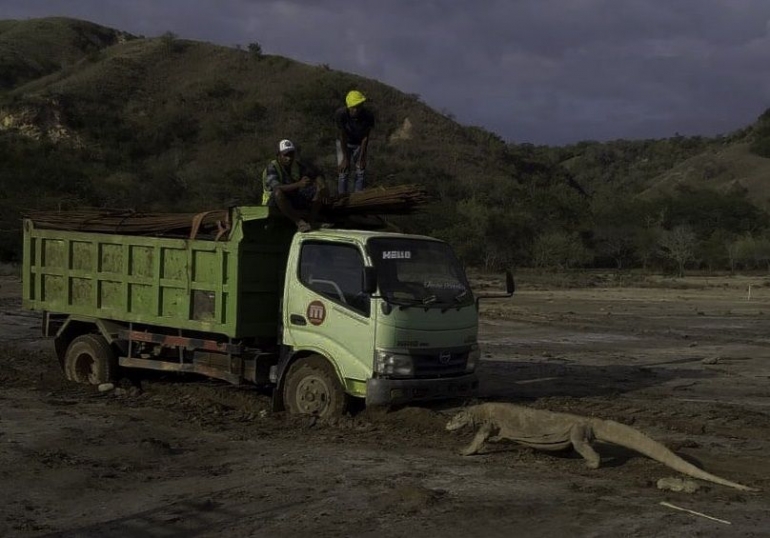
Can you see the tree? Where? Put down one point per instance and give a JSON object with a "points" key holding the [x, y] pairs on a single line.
{"points": [[255, 50], [760, 144], [616, 243], [646, 241], [753, 251], [762, 252], [744, 251], [716, 251], [169, 40], [731, 247], [559, 250], [678, 245], [469, 231]]}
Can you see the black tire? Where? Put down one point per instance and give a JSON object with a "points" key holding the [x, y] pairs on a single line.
{"points": [[90, 359], [313, 388]]}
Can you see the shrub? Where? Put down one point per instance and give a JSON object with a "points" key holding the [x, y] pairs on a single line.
{"points": [[255, 50]]}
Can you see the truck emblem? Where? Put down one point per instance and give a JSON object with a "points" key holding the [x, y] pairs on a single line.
{"points": [[444, 357], [396, 255], [316, 312]]}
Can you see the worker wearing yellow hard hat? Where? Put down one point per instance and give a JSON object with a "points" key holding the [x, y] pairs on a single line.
{"points": [[354, 98], [354, 124]]}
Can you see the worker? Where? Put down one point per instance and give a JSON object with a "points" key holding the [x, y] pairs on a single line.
{"points": [[295, 187], [354, 124]]}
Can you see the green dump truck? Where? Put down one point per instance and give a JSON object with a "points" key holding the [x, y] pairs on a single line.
{"points": [[320, 317]]}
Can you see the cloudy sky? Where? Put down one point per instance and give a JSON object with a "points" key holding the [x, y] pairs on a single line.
{"points": [[539, 71]]}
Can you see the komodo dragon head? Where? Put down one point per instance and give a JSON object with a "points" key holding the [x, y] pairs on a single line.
{"points": [[460, 420]]}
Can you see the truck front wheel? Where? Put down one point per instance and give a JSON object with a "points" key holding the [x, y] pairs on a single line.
{"points": [[313, 388], [89, 359]]}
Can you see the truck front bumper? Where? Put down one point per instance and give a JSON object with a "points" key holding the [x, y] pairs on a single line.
{"points": [[397, 391]]}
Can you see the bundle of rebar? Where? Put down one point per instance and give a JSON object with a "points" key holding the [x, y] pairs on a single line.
{"points": [[400, 200], [130, 222]]}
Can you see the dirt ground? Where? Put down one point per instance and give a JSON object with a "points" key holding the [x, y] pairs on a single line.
{"points": [[689, 364]]}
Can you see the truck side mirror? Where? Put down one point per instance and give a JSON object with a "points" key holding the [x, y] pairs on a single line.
{"points": [[370, 280], [510, 285]]}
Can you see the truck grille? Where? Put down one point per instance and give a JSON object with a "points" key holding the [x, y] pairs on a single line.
{"points": [[434, 365]]}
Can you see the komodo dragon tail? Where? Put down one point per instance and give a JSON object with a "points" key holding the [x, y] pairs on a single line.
{"points": [[620, 434]]}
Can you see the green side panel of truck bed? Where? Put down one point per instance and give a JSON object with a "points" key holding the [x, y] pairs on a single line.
{"points": [[230, 287]]}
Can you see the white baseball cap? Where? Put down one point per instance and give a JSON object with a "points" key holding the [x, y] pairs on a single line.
{"points": [[285, 146]]}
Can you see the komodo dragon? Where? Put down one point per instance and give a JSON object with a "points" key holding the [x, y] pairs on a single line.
{"points": [[546, 430]]}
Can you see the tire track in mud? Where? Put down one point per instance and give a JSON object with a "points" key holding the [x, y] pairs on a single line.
{"points": [[244, 412]]}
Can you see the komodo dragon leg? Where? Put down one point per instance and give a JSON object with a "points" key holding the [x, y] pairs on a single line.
{"points": [[580, 437], [481, 436]]}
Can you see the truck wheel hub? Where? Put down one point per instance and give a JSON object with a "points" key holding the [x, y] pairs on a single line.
{"points": [[84, 366], [313, 395]]}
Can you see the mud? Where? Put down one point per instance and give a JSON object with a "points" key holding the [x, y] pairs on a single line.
{"points": [[688, 363]]}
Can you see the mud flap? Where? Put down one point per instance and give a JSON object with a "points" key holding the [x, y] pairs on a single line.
{"points": [[276, 404]]}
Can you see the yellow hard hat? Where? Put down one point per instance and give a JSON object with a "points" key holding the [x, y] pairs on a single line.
{"points": [[354, 98]]}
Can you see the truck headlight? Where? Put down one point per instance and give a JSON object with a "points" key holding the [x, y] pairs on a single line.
{"points": [[473, 358], [387, 363]]}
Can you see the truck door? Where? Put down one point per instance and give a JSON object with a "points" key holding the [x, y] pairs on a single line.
{"points": [[327, 311]]}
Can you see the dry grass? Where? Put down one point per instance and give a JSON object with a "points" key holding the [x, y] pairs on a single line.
{"points": [[728, 169]]}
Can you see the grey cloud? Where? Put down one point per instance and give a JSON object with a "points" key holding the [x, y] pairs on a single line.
{"points": [[544, 71]]}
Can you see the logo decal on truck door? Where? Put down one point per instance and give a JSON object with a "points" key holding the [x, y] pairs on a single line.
{"points": [[316, 312]]}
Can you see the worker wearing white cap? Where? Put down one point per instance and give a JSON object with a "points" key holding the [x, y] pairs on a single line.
{"points": [[293, 186]]}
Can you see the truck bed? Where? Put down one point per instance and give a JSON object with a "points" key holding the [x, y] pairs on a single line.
{"points": [[231, 285]]}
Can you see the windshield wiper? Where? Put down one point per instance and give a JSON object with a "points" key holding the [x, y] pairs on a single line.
{"points": [[429, 299], [402, 304]]}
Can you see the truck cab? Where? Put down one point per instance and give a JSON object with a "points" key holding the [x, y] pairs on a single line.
{"points": [[392, 315]]}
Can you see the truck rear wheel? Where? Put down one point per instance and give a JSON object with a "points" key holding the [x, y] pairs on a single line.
{"points": [[89, 359], [313, 388]]}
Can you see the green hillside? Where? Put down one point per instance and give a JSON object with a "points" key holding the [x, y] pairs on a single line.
{"points": [[729, 169], [94, 116], [32, 48]]}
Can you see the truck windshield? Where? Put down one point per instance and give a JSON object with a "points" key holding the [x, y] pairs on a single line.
{"points": [[419, 272]]}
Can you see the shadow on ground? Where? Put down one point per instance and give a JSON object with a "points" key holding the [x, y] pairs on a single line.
{"points": [[526, 380]]}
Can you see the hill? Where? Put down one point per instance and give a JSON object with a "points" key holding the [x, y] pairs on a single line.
{"points": [[92, 116], [34, 48], [728, 169]]}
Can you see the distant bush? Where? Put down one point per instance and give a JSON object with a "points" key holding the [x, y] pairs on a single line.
{"points": [[760, 144], [170, 42], [255, 50], [220, 90], [168, 38]]}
